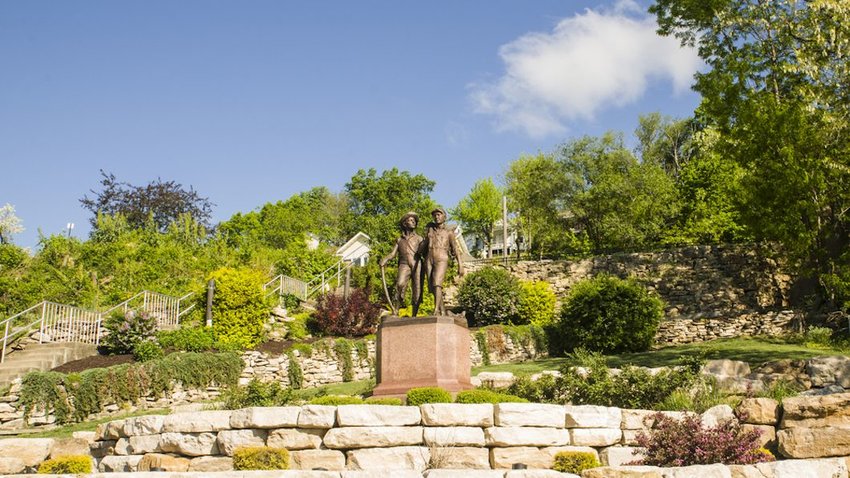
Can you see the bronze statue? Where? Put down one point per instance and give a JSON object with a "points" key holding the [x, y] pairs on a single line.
{"points": [[407, 248], [439, 243]]}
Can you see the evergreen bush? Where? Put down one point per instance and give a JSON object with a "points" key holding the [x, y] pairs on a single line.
{"points": [[240, 309], [489, 296], [147, 350], [260, 458], [575, 461], [421, 395], [187, 339], [256, 394], [536, 304], [609, 315], [336, 400], [481, 395]]}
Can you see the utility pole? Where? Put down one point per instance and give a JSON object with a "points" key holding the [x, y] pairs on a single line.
{"points": [[505, 229]]}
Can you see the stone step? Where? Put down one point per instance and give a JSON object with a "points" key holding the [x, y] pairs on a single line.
{"points": [[41, 357]]}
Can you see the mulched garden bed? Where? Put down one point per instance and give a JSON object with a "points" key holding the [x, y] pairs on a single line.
{"points": [[95, 361]]}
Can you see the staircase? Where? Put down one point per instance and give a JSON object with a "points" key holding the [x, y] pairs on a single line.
{"points": [[305, 291], [42, 357]]}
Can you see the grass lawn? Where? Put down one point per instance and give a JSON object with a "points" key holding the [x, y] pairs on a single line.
{"points": [[755, 351]]}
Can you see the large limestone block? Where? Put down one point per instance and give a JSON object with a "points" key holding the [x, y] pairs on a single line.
{"points": [[367, 437], [377, 415], [11, 465], [197, 422], [31, 451], [296, 438], [119, 463], [716, 415], [160, 462], [395, 458], [529, 415], [312, 459], [828, 468], [265, 417], [504, 458], [442, 473], [734, 368], [767, 434], [814, 442], [317, 416], [69, 446], [592, 416], [637, 419], [526, 436], [190, 444], [207, 464], [758, 411], [698, 471], [457, 414], [122, 447], [142, 444], [110, 431], [460, 457], [146, 425], [828, 370], [620, 455], [379, 474], [623, 472], [818, 411], [229, 440], [748, 471], [453, 436], [596, 436]]}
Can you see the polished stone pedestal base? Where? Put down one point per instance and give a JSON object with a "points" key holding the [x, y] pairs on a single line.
{"points": [[422, 352]]}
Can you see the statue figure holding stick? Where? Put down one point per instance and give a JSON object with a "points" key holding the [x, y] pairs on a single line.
{"points": [[408, 248]]}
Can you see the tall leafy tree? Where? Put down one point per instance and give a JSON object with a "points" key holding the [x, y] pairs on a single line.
{"points": [[160, 201], [666, 142], [479, 210], [776, 92], [10, 224]]}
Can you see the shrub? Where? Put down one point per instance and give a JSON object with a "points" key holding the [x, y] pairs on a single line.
{"points": [[187, 339], [126, 329], [480, 395], [297, 328], [687, 442], [489, 296], [239, 308], [260, 458], [352, 317], [418, 396], [575, 461], [383, 401], [609, 315], [536, 304], [336, 400], [818, 338], [256, 394], [65, 464], [147, 350]]}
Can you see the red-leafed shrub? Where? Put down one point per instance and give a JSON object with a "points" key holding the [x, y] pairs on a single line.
{"points": [[352, 317], [687, 442]]}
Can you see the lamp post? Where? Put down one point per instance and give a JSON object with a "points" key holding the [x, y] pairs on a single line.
{"points": [[69, 227]]}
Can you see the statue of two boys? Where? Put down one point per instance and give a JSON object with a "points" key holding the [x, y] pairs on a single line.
{"points": [[433, 250]]}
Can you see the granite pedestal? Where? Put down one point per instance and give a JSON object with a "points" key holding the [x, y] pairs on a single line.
{"points": [[422, 352]]}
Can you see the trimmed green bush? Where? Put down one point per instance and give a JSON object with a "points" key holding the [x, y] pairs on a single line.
{"points": [[187, 339], [260, 458], [418, 396], [240, 309], [147, 350], [256, 394], [575, 461], [65, 464], [536, 304], [489, 296], [608, 315], [480, 395], [336, 400], [383, 401]]}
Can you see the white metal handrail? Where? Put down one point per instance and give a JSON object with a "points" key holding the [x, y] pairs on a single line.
{"points": [[283, 284], [321, 282]]}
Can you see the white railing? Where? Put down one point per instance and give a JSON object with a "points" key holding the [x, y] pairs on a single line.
{"points": [[282, 284], [67, 323]]}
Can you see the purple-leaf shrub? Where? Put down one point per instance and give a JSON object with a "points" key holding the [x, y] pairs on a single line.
{"points": [[687, 442], [352, 317]]}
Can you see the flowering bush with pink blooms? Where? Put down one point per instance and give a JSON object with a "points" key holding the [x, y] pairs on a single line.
{"points": [[687, 442], [126, 329]]}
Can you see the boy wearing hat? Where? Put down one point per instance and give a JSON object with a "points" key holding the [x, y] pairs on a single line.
{"points": [[407, 249]]}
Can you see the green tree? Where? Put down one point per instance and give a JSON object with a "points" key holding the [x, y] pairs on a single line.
{"points": [[666, 142], [480, 209], [376, 202], [9, 223], [776, 92]]}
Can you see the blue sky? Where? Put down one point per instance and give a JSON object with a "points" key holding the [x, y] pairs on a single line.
{"points": [[251, 102]]}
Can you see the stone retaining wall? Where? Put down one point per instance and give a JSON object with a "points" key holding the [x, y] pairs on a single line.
{"points": [[441, 436]]}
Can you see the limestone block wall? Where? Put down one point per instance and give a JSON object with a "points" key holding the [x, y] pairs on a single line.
{"points": [[445, 436]]}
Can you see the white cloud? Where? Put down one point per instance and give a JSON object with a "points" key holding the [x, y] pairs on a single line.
{"points": [[589, 62]]}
